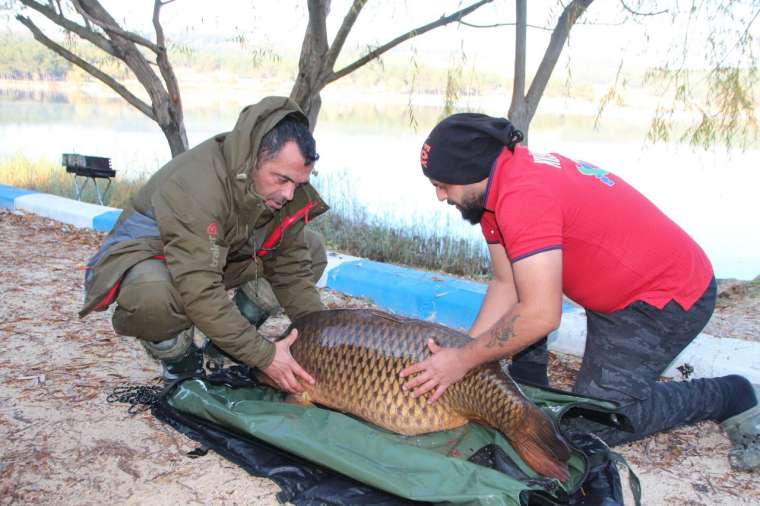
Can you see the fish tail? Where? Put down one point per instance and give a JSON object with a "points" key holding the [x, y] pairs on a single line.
{"points": [[541, 446]]}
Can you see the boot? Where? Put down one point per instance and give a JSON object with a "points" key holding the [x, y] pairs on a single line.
{"points": [[189, 365], [260, 292], [744, 432], [179, 356], [252, 311], [214, 356]]}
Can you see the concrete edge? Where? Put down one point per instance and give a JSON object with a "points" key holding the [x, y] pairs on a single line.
{"points": [[72, 212], [706, 357], [419, 294]]}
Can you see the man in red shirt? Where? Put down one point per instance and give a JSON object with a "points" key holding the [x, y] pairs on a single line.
{"points": [[556, 225]]}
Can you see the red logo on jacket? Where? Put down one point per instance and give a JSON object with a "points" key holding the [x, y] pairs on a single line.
{"points": [[211, 229]]}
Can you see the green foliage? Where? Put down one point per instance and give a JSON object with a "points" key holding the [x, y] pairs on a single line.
{"points": [[706, 108], [730, 111], [659, 129], [26, 59], [715, 104], [452, 90]]}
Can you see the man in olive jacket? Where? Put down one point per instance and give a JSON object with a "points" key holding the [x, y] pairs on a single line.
{"points": [[228, 213]]}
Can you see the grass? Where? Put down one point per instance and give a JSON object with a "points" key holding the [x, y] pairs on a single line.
{"points": [[366, 236], [48, 177], [347, 228]]}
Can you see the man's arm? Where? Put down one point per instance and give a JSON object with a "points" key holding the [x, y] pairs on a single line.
{"points": [[501, 295], [538, 280], [195, 258]]}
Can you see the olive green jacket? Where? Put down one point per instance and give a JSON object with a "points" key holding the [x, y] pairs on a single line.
{"points": [[198, 212]]}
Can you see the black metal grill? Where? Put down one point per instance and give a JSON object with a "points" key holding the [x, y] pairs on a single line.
{"points": [[90, 168]]}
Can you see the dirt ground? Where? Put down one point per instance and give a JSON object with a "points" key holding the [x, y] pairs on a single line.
{"points": [[62, 443]]}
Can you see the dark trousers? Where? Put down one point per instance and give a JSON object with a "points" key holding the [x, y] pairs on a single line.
{"points": [[626, 351]]}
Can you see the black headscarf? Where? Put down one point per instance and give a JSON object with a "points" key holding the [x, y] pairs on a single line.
{"points": [[461, 149]]}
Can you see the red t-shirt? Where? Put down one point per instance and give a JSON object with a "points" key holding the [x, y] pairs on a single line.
{"points": [[617, 247]]}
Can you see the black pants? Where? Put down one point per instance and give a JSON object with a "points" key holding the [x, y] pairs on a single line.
{"points": [[626, 351]]}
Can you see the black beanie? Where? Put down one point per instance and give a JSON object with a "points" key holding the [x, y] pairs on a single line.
{"points": [[461, 149]]}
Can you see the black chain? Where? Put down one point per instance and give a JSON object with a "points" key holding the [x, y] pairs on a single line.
{"points": [[140, 397]]}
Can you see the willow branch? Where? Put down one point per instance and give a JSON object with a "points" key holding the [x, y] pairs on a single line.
{"points": [[403, 38], [639, 13], [110, 27], [87, 34], [162, 59], [343, 31], [569, 16], [497, 25], [87, 67]]}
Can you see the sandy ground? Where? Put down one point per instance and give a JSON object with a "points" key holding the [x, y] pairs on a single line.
{"points": [[62, 443]]}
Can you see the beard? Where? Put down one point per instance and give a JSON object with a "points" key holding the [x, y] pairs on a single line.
{"points": [[472, 208]]}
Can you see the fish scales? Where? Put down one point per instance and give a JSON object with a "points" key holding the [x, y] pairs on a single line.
{"points": [[356, 357]]}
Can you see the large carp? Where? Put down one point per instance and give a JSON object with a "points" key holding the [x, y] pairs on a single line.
{"points": [[356, 355]]}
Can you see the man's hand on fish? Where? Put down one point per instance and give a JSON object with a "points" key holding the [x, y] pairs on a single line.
{"points": [[284, 370], [444, 367]]}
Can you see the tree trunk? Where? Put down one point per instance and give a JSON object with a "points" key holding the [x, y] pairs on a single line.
{"points": [[518, 116], [102, 30], [524, 105], [311, 64], [518, 109], [175, 135], [316, 67]]}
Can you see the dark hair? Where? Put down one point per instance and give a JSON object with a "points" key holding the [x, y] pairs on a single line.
{"points": [[288, 129]]}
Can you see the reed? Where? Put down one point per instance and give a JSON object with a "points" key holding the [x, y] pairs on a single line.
{"points": [[46, 176]]}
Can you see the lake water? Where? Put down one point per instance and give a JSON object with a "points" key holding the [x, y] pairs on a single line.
{"points": [[370, 152]]}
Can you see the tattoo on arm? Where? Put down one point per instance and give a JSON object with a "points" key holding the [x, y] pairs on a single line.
{"points": [[502, 332]]}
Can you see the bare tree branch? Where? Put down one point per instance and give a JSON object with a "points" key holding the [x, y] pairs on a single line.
{"points": [[318, 24], [497, 25], [518, 86], [128, 52], [639, 13], [403, 38], [536, 27], [311, 62], [105, 25], [160, 39], [345, 28], [89, 68], [569, 16], [105, 33], [87, 34], [162, 59]]}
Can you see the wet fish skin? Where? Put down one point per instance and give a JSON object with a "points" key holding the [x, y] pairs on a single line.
{"points": [[356, 357]]}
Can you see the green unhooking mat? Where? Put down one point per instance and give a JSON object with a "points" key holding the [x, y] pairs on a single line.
{"points": [[319, 456]]}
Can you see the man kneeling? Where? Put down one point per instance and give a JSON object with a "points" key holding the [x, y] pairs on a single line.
{"points": [[228, 213]]}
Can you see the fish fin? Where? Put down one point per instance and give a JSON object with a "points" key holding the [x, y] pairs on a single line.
{"points": [[542, 447], [299, 399]]}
